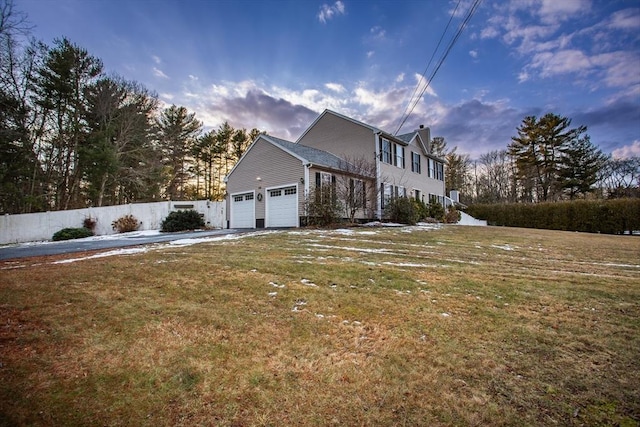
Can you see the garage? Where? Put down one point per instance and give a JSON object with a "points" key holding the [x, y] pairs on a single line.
{"points": [[243, 211], [282, 207]]}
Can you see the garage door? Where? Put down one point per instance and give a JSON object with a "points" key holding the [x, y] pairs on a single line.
{"points": [[282, 207], [242, 211]]}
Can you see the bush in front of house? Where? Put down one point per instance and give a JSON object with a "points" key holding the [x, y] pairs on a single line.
{"points": [[452, 216], [401, 210], [71, 233], [125, 224], [182, 220]]}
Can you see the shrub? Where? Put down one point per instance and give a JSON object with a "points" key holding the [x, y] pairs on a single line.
{"points": [[125, 224], [323, 207], [616, 216], [452, 216], [401, 210], [72, 233], [182, 220], [421, 209], [436, 211], [90, 223]]}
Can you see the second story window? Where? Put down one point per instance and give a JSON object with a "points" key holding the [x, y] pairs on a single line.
{"points": [[415, 162], [399, 158], [439, 171], [385, 150]]}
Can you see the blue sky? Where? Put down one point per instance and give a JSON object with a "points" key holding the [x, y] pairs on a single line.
{"points": [[275, 65]]}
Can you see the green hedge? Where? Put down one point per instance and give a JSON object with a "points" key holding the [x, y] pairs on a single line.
{"points": [[71, 233], [616, 216]]}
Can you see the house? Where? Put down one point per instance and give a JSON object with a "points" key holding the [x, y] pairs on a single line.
{"points": [[269, 185]]}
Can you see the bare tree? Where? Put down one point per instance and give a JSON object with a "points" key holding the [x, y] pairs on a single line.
{"points": [[356, 188]]}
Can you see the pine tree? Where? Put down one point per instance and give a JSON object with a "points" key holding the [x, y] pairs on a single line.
{"points": [[580, 167]]}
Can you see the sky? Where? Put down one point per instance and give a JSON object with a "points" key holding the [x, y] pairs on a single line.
{"points": [[276, 65]]}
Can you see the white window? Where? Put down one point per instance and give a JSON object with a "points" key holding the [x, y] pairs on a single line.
{"points": [[385, 150], [387, 193], [399, 158], [289, 191], [432, 171], [275, 193], [400, 191], [248, 196], [415, 162], [439, 171]]}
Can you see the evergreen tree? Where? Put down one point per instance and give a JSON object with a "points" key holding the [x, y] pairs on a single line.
{"points": [[60, 85], [178, 131], [580, 166], [537, 151]]}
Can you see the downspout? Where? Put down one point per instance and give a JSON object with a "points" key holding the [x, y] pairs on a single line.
{"points": [[306, 167], [379, 195]]}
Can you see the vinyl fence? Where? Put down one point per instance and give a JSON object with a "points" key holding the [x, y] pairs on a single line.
{"points": [[41, 226]]}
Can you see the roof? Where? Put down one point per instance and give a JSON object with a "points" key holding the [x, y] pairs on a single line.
{"points": [[310, 154], [349, 119]]}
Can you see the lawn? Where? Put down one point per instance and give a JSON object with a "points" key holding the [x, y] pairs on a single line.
{"points": [[366, 326]]}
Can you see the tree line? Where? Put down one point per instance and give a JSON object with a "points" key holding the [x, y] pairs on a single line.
{"points": [[548, 160], [72, 135]]}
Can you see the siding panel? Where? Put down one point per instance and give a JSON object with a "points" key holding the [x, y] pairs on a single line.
{"points": [[272, 165]]}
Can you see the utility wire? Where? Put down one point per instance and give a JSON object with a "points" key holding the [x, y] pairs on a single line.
{"points": [[461, 27], [424, 73]]}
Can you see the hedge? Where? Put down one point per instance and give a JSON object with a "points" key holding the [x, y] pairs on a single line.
{"points": [[616, 216]]}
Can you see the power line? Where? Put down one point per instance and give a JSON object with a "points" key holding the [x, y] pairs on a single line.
{"points": [[424, 73], [470, 12]]}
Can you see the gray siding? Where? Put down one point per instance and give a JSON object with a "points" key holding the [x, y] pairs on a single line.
{"points": [[342, 180], [411, 180], [273, 166], [340, 137]]}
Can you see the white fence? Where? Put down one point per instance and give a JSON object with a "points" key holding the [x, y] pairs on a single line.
{"points": [[41, 226]]}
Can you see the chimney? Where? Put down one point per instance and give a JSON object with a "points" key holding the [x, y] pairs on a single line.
{"points": [[421, 126]]}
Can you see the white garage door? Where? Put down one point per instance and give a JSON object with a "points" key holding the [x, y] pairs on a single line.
{"points": [[242, 211], [282, 207]]}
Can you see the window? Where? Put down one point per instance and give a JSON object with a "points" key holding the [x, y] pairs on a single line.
{"points": [[400, 191], [432, 171], [385, 150], [248, 196], [415, 162], [289, 191], [237, 198], [325, 184], [439, 171], [399, 159], [275, 193], [357, 194], [387, 193], [418, 195]]}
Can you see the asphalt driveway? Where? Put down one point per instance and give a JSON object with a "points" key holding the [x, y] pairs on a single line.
{"points": [[26, 250]]}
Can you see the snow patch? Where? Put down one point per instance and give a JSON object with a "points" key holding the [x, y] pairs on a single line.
{"points": [[123, 251]]}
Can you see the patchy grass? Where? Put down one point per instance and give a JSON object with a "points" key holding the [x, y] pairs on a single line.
{"points": [[412, 326]]}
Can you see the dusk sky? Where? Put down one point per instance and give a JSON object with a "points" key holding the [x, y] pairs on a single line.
{"points": [[275, 65]]}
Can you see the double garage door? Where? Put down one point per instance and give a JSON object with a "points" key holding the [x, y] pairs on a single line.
{"points": [[281, 208]]}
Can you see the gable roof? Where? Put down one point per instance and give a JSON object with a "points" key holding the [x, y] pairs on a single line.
{"points": [[408, 137], [349, 119], [302, 152], [308, 154]]}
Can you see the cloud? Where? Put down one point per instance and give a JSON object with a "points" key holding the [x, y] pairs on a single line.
{"points": [[327, 12], [632, 150], [156, 59], [473, 53], [556, 11], [370, 53], [336, 87], [558, 38], [378, 32], [159, 73]]}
